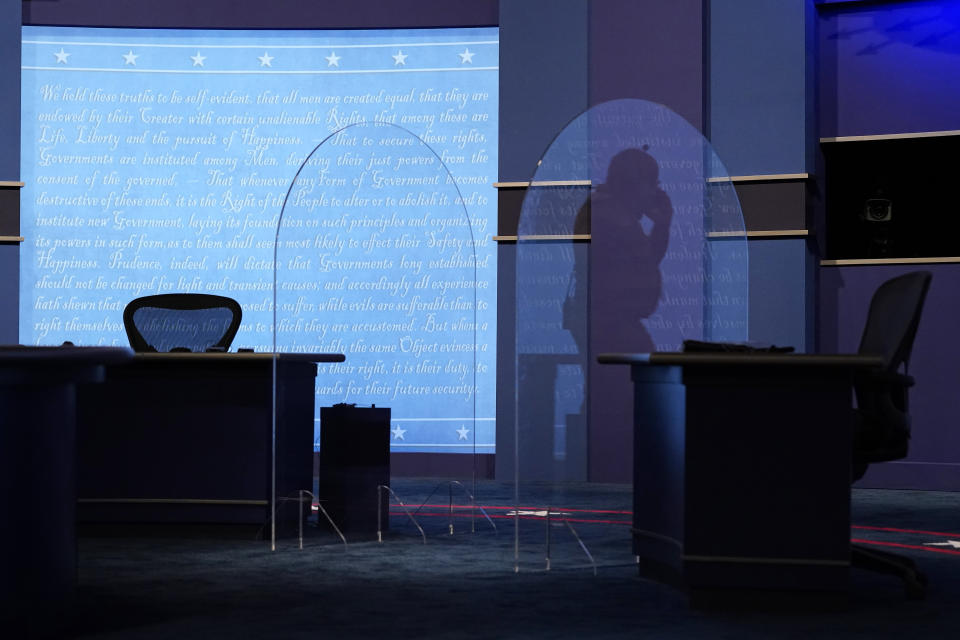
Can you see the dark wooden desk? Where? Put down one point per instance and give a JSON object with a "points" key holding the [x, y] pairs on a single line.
{"points": [[38, 563], [186, 437], [742, 473]]}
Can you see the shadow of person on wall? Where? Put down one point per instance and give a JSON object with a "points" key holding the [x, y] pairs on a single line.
{"points": [[628, 218]]}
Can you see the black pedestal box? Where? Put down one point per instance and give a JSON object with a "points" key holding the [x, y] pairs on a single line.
{"points": [[354, 461]]}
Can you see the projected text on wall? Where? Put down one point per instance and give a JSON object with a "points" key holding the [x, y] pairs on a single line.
{"points": [[159, 161]]}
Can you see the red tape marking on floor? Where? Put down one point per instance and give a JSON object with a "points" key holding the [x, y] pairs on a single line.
{"points": [[906, 546], [920, 531]]}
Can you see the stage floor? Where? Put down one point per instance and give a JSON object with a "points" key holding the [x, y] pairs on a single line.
{"points": [[206, 584]]}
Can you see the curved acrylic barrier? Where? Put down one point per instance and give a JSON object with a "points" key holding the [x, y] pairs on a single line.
{"points": [[376, 260], [630, 240]]}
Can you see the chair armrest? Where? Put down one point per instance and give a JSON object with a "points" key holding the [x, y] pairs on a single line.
{"points": [[895, 378]]}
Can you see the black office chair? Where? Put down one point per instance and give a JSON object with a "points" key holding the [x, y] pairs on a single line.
{"points": [[882, 428], [181, 322]]}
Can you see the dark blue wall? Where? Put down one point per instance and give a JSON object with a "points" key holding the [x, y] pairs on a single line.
{"points": [[9, 293], [890, 68], [543, 78], [10, 89], [651, 50], [782, 301], [761, 121], [759, 94], [9, 167]]}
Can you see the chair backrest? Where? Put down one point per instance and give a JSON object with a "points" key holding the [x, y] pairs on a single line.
{"points": [[181, 321], [883, 426], [893, 318]]}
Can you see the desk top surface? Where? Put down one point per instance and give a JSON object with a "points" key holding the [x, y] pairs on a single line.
{"points": [[238, 357], [758, 359], [21, 355], [233, 356], [50, 366]]}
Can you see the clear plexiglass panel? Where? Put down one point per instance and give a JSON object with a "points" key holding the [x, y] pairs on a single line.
{"points": [[376, 260], [631, 240]]}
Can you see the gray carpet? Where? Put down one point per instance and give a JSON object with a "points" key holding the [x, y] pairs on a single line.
{"points": [[464, 585]]}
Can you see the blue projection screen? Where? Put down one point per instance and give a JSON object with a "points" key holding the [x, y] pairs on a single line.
{"points": [[157, 161]]}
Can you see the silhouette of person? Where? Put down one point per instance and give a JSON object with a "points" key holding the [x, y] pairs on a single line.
{"points": [[628, 217]]}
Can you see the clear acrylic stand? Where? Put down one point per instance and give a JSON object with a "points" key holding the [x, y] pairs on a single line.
{"points": [[474, 507], [380, 489], [376, 256], [630, 240]]}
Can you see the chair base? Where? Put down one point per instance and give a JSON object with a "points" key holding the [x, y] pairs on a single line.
{"points": [[914, 581]]}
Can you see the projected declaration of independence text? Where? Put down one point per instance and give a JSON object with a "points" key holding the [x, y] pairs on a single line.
{"points": [[160, 162]]}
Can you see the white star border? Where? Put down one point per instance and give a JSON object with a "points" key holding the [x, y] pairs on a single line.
{"points": [[328, 59], [426, 434]]}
